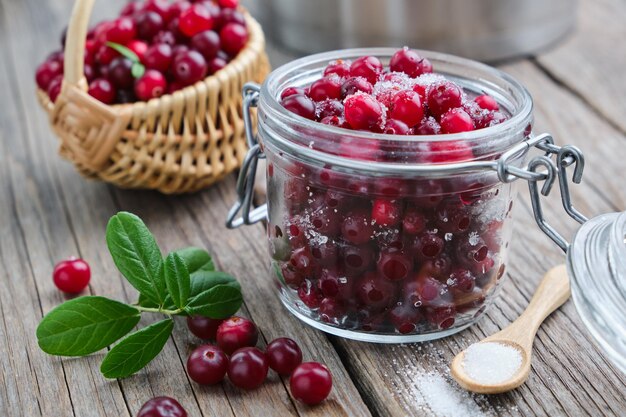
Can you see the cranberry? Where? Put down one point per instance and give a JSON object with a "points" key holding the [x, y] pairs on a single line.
{"points": [[311, 383], [324, 253], [357, 227], [207, 365], [391, 187], [302, 260], [407, 107], [189, 67], [405, 318], [148, 24], [396, 127], [332, 310], [490, 118], [362, 111], [233, 37], [427, 245], [413, 221], [428, 126], [120, 72], [448, 152], [158, 6], [356, 84], [487, 102], [428, 193], [386, 212], [442, 317], [293, 278], [357, 259], [375, 292], [105, 55], [424, 290], [421, 90], [236, 332], [394, 264], [159, 57], [129, 9], [248, 368], [329, 108], [207, 43], [138, 47], [334, 284], [151, 85], [443, 96], [217, 64], [300, 105], [452, 217], [324, 88], [121, 31], [228, 4], [339, 67], [310, 295], [46, 72], [291, 91], [461, 280], [102, 89], [90, 72], [71, 275], [284, 355], [203, 327], [471, 250], [175, 9], [410, 63], [162, 407], [368, 67], [456, 121], [438, 267], [356, 148], [54, 88], [227, 16], [195, 19]]}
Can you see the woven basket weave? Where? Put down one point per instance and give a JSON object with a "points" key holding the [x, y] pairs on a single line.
{"points": [[181, 142]]}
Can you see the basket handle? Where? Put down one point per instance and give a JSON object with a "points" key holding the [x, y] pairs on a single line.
{"points": [[75, 42]]}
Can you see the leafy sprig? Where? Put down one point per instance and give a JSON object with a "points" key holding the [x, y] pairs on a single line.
{"points": [[185, 282]]}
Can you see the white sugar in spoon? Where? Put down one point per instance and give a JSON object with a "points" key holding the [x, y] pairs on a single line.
{"points": [[501, 362]]}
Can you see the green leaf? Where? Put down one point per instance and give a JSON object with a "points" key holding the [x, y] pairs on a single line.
{"points": [[177, 279], [219, 302], [85, 325], [124, 51], [196, 259], [137, 70], [136, 255], [205, 280], [136, 350]]}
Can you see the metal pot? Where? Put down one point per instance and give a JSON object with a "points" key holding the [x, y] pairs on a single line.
{"points": [[480, 29]]}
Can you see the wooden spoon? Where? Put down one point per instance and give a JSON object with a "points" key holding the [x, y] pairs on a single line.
{"points": [[552, 292]]}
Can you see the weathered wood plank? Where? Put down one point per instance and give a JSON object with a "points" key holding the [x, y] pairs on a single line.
{"points": [[591, 61]]}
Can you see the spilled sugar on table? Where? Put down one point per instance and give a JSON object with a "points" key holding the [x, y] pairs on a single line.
{"points": [[48, 212]]}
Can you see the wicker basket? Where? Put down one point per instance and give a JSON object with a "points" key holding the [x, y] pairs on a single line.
{"points": [[181, 142]]}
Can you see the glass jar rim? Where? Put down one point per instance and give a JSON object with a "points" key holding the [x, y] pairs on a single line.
{"points": [[269, 94]]}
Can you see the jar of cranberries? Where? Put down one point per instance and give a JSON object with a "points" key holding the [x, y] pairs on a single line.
{"points": [[388, 188]]}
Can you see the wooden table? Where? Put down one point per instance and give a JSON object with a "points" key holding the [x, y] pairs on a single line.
{"points": [[48, 212]]}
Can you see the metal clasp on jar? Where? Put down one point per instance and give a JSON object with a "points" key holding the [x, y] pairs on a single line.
{"points": [[540, 169]]}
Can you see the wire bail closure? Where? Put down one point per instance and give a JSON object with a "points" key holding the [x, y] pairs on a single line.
{"points": [[540, 169]]}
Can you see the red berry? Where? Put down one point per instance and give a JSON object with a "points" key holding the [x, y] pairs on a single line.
{"points": [[368, 67], [72, 275], [326, 88], [46, 72], [309, 294], [413, 221], [207, 43], [203, 327], [121, 31], [375, 292], [102, 89], [443, 96], [236, 332], [405, 317], [394, 264], [311, 383], [189, 67], [386, 212], [248, 368], [300, 105], [175, 9], [283, 355], [234, 37], [138, 47], [456, 121], [159, 57], [158, 6], [216, 64], [105, 55], [428, 126], [148, 24], [407, 106], [487, 102], [228, 4], [227, 16], [54, 88], [427, 245], [195, 19], [162, 407], [339, 67], [448, 152], [151, 85], [362, 111], [355, 84], [396, 127], [207, 365], [410, 63], [120, 74], [329, 108], [357, 227]]}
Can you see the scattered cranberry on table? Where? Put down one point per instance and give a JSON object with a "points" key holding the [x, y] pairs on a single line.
{"points": [[311, 382], [178, 43], [235, 333], [203, 327], [283, 355], [71, 275], [162, 407], [207, 365], [248, 368]]}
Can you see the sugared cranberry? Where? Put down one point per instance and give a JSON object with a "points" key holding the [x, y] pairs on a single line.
{"points": [[236, 332], [339, 67], [121, 31], [357, 259], [102, 89], [489, 118], [357, 227], [162, 407], [302, 260], [410, 63], [428, 126], [405, 317], [324, 88], [328, 108], [120, 73], [453, 217], [336, 285], [284, 355], [46, 72], [396, 127], [413, 221], [394, 264], [487, 102], [456, 121], [207, 365], [207, 43], [443, 96], [300, 105], [233, 37], [159, 57], [71, 275], [376, 292], [362, 111], [386, 212], [148, 24], [189, 67], [203, 327], [54, 88], [311, 383], [195, 19], [248, 368], [355, 84], [427, 245], [309, 294], [151, 85], [368, 67]]}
